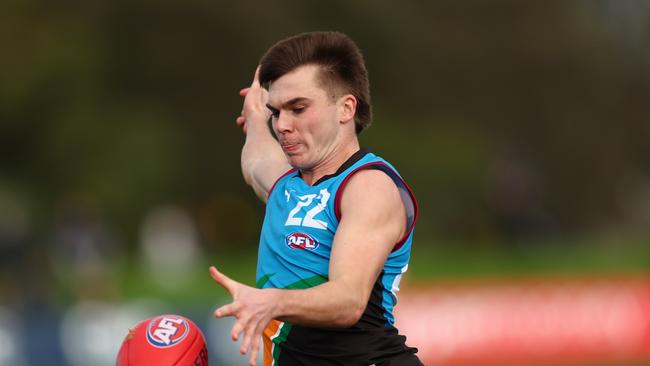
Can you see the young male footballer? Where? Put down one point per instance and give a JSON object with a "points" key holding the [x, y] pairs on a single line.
{"points": [[339, 220]]}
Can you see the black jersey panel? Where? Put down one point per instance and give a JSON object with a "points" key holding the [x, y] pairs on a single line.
{"points": [[370, 341]]}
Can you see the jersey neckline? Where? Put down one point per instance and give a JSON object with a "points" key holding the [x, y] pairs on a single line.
{"points": [[348, 163]]}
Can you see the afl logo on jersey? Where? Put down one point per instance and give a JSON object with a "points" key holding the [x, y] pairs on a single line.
{"points": [[167, 331], [301, 241]]}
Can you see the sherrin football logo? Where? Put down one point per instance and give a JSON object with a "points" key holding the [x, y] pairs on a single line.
{"points": [[167, 331], [301, 241]]}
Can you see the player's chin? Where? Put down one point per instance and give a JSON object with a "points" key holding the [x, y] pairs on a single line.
{"points": [[294, 157], [298, 161]]}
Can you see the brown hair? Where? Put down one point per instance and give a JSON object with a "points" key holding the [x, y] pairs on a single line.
{"points": [[342, 68]]}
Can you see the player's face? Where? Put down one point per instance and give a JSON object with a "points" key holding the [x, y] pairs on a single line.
{"points": [[305, 118]]}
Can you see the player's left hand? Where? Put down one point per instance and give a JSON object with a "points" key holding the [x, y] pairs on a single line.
{"points": [[253, 309], [254, 109]]}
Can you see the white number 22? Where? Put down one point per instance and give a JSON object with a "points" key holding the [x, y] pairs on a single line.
{"points": [[308, 220]]}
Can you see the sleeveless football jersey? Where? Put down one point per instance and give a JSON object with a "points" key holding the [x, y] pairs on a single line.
{"points": [[294, 253]]}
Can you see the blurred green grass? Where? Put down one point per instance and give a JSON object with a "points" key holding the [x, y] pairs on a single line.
{"points": [[430, 263], [554, 258]]}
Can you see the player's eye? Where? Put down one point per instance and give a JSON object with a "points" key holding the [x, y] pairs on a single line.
{"points": [[299, 110]]}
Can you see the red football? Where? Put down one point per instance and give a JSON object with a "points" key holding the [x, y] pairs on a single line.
{"points": [[165, 340]]}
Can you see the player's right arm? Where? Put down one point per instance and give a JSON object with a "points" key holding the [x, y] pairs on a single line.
{"points": [[262, 158]]}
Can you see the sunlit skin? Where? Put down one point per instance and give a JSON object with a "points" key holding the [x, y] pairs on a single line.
{"points": [[314, 128], [316, 134]]}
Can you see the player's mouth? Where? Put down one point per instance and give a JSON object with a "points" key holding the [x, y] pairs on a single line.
{"points": [[290, 147]]}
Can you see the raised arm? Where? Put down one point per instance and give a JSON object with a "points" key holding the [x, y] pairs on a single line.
{"points": [[373, 220], [262, 158]]}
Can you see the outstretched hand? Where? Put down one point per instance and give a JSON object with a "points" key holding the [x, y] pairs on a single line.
{"points": [[254, 108], [253, 309]]}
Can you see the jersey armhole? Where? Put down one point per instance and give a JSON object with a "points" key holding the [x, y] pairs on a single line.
{"points": [[406, 193], [292, 170]]}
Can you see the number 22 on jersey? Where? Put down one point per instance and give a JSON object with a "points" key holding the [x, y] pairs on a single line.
{"points": [[307, 201]]}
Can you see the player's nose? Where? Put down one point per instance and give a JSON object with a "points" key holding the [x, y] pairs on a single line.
{"points": [[283, 122]]}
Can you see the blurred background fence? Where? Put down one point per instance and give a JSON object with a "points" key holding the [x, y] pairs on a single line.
{"points": [[523, 128]]}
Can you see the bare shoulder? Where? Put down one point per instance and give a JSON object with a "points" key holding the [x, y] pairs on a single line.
{"points": [[372, 201], [369, 182], [371, 191]]}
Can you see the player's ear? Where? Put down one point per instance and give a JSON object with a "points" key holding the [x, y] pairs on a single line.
{"points": [[347, 108]]}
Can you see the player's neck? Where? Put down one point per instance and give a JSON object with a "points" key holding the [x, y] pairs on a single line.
{"points": [[331, 164]]}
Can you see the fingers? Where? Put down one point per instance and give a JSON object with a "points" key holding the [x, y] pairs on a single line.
{"points": [[227, 310], [249, 334], [223, 280], [254, 350], [241, 122], [251, 315], [252, 337], [237, 329], [255, 98], [256, 79], [256, 336]]}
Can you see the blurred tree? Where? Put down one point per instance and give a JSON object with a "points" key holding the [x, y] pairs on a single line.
{"points": [[134, 102]]}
